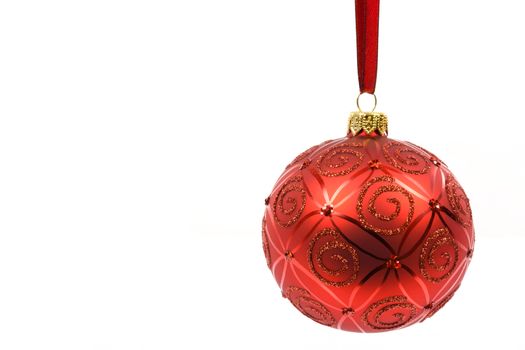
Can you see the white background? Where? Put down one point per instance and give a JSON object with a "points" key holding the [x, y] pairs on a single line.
{"points": [[138, 140]]}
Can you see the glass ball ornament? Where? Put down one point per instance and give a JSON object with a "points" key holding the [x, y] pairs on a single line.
{"points": [[366, 233]]}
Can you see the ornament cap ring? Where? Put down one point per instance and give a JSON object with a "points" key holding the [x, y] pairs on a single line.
{"points": [[370, 123], [359, 98]]}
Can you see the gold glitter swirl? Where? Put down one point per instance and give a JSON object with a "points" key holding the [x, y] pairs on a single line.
{"points": [[391, 223], [265, 244], [439, 256], [389, 313], [289, 202], [405, 158], [459, 201], [311, 308], [333, 260], [340, 160]]}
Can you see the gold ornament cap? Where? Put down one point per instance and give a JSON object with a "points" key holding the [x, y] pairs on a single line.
{"points": [[368, 122]]}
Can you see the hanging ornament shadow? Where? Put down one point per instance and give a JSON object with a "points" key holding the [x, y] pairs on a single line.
{"points": [[366, 233]]}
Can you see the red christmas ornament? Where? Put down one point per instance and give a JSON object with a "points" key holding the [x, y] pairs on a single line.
{"points": [[366, 233]]}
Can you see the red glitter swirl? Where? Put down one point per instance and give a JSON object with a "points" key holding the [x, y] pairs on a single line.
{"points": [[459, 202], [311, 308], [340, 160], [386, 223], [405, 158], [439, 256], [290, 202], [432, 157], [389, 313], [265, 244], [332, 259]]}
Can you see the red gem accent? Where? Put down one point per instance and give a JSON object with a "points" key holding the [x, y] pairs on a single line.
{"points": [[348, 311], [305, 164], [374, 164], [435, 161], [429, 306], [434, 204], [393, 263], [327, 210]]}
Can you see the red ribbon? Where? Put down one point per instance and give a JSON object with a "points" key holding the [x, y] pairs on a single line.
{"points": [[367, 30]]}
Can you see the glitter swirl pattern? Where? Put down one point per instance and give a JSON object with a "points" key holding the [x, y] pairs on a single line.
{"points": [[311, 308], [340, 160], [389, 313], [405, 158], [459, 201], [265, 244], [432, 157], [290, 202], [332, 259], [439, 256], [387, 191]]}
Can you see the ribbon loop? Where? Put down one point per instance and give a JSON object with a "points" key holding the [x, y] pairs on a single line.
{"points": [[367, 30]]}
